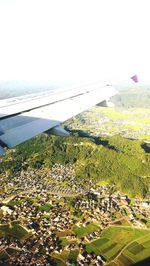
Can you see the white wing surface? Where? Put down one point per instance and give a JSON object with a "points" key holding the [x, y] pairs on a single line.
{"points": [[22, 118]]}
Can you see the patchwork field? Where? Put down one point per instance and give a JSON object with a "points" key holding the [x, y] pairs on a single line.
{"points": [[16, 230], [60, 259], [137, 251], [107, 248], [114, 239]]}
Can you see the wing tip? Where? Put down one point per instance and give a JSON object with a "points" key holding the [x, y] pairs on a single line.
{"points": [[135, 78]]}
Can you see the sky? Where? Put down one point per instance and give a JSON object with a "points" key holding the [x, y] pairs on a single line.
{"points": [[74, 40]]}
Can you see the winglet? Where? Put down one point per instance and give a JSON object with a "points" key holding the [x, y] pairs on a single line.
{"points": [[135, 78]]}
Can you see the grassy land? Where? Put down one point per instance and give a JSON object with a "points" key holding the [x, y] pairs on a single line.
{"points": [[148, 223], [83, 231], [102, 183], [59, 262], [61, 258], [145, 137], [3, 256], [73, 255], [64, 242], [113, 240], [64, 233], [137, 251], [11, 251], [113, 114], [45, 207], [122, 234], [123, 222], [15, 230]]}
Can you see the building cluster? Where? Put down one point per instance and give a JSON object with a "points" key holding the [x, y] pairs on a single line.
{"points": [[97, 121], [43, 211]]}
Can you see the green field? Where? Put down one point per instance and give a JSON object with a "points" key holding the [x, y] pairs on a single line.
{"points": [[123, 222], [113, 240], [105, 247], [60, 258], [3, 256], [137, 251], [83, 231], [11, 251], [59, 262], [124, 260], [45, 207], [122, 234], [135, 248], [15, 230], [73, 255], [64, 233], [64, 241]]}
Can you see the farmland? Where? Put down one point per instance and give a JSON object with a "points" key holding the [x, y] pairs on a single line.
{"points": [[114, 239], [137, 251], [82, 231], [15, 230]]}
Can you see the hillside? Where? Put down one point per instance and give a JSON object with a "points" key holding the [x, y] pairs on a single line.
{"points": [[132, 97], [112, 159]]}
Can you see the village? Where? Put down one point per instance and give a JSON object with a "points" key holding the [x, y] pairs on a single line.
{"points": [[57, 215], [100, 121]]}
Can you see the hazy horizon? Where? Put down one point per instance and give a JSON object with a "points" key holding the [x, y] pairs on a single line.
{"points": [[15, 88]]}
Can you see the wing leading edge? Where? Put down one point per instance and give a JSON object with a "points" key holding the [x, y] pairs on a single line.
{"points": [[22, 118]]}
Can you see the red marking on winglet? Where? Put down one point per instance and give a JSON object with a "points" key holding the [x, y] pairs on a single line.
{"points": [[135, 78]]}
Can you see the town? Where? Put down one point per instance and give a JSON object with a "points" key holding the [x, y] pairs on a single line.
{"points": [[100, 121], [50, 218]]}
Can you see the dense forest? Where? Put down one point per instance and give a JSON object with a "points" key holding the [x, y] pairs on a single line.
{"points": [[113, 159]]}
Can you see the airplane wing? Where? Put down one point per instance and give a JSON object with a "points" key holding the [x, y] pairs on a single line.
{"points": [[24, 117]]}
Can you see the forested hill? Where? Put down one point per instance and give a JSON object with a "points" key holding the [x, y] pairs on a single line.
{"points": [[115, 160], [133, 97]]}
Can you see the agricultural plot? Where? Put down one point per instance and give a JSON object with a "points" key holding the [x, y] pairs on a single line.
{"points": [[64, 233], [60, 258], [123, 222], [136, 251], [113, 240], [65, 241], [15, 230], [83, 231], [123, 235], [97, 245], [59, 262], [11, 251], [3, 256], [135, 248], [100, 241], [104, 247], [7, 253], [125, 260], [45, 207], [73, 255], [113, 264]]}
